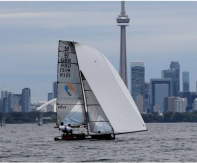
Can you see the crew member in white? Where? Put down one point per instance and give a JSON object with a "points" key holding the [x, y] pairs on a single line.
{"points": [[62, 127], [68, 129]]}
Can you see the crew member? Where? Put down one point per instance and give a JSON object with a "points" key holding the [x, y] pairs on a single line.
{"points": [[62, 127], [68, 129]]}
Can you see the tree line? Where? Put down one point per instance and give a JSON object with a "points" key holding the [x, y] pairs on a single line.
{"points": [[170, 117], [30, 117]]}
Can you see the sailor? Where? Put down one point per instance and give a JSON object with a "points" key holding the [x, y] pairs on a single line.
{"points": [[62, 127], [68, 129]]}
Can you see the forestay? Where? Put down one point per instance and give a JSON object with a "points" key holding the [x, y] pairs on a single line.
{"points": [[70, 101], [110, 91]]}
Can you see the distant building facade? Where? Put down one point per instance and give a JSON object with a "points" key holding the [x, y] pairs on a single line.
{"points": [[4, 93], [190, 98], [140, 103], [50, 96], [5, 105], [169, 74], [159, 89], [169, 103], [1, 105], [17, 103], [137, 79], [176, 79], [26, 100], [194, 105], [10, 101], [185, 81], [180, 105], [147, 97]]}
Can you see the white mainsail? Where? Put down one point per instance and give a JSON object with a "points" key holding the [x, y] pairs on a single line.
{"points": [[110, 91], [70, 101]]}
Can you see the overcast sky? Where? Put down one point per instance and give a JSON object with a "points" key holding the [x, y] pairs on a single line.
{"points": [[159, 32]]}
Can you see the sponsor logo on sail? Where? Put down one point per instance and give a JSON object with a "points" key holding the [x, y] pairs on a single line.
{"points": [[68, 88]]}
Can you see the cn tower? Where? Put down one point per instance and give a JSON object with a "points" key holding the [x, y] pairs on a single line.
{"points": [[123, 21]]}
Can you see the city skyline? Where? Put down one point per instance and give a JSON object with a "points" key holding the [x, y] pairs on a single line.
{"points": [[159, 32]]}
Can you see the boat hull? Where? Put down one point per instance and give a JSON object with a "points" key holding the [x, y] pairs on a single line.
{"points": [[72, 137], [103, 137]]}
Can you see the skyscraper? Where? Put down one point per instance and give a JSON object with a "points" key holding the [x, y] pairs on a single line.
{"points": [[137, 79], [123, 21], [54, 89], [169, 74], [5, 105], [10, 101], [176, 81], [160, 88], [1, 105], [50, 96], [4, 93], [26, 100], [147, 97], [185, 81]]}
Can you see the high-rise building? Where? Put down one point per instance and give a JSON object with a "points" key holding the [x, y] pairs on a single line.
{"points": [[50, 96], [1, 105], [26, 100], [180, 105], [176, 81], [5, 105], [169, 74], [159, 89], [4, 93], [185, 81], [123, 21], [137, 79], [10, 101], [54, 88], [147, 97]]}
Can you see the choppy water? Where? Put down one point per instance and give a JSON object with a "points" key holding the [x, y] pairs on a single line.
{"points": [[163, 142]]}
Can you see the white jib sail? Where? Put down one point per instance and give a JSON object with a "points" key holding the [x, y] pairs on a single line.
{"points": [[110, 91], [98, 121], [70, 103]]}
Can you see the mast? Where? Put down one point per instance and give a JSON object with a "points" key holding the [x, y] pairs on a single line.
{"points": [[85, 103]]}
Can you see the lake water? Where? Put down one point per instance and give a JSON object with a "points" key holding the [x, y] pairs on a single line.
{"points": [[170, 142]]}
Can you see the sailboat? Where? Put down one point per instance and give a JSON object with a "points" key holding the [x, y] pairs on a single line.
{"points": [[3, 120], [40, 121], [91, 96]]}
